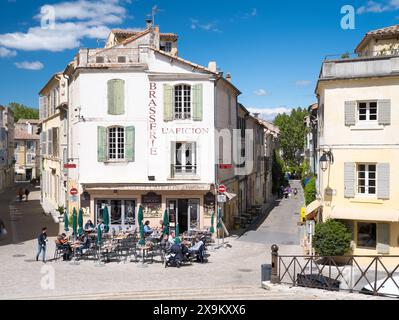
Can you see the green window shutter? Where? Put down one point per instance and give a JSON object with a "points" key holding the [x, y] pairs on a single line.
{"points": [[384, 112], [349, 179], [383, 238], [350, 113], [101, 144], [197, 102], [116, 97], [130, 143], [383, 190], [167, 102]]}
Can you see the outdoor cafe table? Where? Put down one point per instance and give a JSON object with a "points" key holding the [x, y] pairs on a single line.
{"points": [[144, 253]]}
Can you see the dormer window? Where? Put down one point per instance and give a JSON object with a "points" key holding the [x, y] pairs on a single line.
{"points": [[121, 59], [99, 59], [166, 46]]}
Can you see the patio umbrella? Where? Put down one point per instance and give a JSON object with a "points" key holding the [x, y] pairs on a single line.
{"points": [[165, 223], [141, 241], [106, 219], [177, 239], [212, 229], [80, 221], [140, 216], [99, 235], [219, 225], [66, 222], [74, 222]]}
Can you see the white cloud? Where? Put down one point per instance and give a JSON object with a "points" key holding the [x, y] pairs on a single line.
{"points": [[302, 83], [4, 52], [260, 92], [269, 113], [34, 65], [254, 12], [74, 21], [209, 26], [379, 7]]}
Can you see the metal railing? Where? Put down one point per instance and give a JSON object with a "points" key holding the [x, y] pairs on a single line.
{"points": [[374, 275], [181, 171], [112, 56], [371, 54]]}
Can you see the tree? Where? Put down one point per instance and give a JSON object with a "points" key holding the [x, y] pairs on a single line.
{"points": [[331, 238], [292, 135], [23, 112], [278, 178]]}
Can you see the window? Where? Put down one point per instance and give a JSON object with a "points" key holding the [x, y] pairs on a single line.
{"points": [[116, 143], [29, 158], [367, 111], [366, 179], [185, 161], [29, 145], [166, 46], [366, 235], [99, 59], [121, 59], [16, 145], [182, 99]]}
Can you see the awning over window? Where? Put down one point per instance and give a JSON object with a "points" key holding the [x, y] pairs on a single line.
{"points": [[147, 187], [230, 195], [313, 207], [378, 214]]}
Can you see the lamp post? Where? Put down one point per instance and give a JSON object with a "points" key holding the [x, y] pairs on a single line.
{"points": [[325, 160]]}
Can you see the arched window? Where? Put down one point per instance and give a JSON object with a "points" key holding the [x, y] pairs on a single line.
{"points": [[182, 101], [116, 143]]}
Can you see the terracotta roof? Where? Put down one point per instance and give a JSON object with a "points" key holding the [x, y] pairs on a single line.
{"points": [[135, 36], [23, 135], [28, 120], [135, 32], [383, 32]]}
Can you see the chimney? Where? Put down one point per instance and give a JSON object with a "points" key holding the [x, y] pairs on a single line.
{"points": [[256, 115], [228, 77], [212, 66], [148, 21], [30, 129]]}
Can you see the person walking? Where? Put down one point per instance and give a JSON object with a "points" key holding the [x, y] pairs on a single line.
{"points": [[20, 194], [42, 241], [3, 231], [26, 194]]}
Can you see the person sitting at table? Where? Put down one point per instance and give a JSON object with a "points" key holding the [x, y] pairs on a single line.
{"points": [[62, 243], [165, 244], [89, 225], [84, 243], [197, 246], [100, 223], [172, 238], [147, 228]]}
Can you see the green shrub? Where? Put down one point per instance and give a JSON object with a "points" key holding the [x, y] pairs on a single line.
{"points": [[331, 238], [310, 191], [277, 172]]}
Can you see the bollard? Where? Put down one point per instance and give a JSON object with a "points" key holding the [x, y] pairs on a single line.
{"points": [[274, 278]]}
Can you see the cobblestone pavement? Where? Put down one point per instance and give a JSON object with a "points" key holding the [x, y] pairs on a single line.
{"points": [[233, 271]]}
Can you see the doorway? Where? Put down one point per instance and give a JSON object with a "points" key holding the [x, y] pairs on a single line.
{"points": [[28, 174], [184, 211], [122, 212]]}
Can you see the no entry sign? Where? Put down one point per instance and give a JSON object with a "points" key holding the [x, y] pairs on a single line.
{"points": [[73, 191], [222, 188]]}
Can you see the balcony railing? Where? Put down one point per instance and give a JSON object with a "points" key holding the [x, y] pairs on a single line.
{"points": [[178, 171], [360, 66], [117, 57]]}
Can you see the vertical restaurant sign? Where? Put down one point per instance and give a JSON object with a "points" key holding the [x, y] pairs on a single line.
{"points": [[152, 120]]}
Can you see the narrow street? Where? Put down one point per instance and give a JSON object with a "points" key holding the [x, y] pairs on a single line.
{"points": [[23, 220]]}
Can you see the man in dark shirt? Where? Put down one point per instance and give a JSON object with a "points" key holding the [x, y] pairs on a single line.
{"points": [[42, 241]]}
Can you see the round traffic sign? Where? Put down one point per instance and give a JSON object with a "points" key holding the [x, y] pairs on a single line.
{"points": [[222, 188], [73, 191]]}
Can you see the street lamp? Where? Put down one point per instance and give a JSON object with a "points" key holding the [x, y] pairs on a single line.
{"points": [[326, 159]]}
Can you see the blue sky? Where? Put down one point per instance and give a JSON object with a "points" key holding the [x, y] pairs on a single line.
{"points": [[273, 49]]}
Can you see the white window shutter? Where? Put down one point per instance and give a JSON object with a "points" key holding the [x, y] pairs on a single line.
{"points": [[350, 113], [349, 179], [383, 181], [384, 112], [383, 238]]}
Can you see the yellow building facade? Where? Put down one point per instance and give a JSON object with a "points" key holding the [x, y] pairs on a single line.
{"points": [[358, 122]]}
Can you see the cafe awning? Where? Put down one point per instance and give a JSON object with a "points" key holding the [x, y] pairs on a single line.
{"points": [[312, 208], [365, 214], [147, 187]]}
